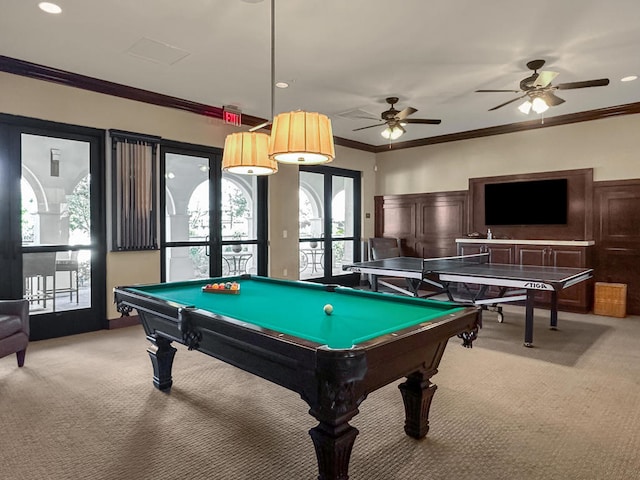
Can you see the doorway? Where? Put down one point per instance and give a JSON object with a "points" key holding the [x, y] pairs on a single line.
{"points": [[214, 223], [329, 222], [54, 179]]}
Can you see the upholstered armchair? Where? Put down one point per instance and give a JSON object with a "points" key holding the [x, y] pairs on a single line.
{"points": [[14, 328]]}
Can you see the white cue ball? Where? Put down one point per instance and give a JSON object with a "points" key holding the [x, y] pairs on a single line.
{"points": [[328, 309]]}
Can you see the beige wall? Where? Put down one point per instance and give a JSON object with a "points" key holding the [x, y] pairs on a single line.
{"points": [[283, 213], [49, 101], [610, 146]]}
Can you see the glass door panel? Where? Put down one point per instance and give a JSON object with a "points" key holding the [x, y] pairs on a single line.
{"points": [[342, 253], [311, 260], [57, 281], [311, 224], [215, 222], [187, 217], [342, 208], [187, 263], [56, 223], [52, 246], [238, 259], [329, 202], [342, 223], [239, 223]]}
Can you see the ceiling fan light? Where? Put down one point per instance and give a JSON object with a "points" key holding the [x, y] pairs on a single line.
{"points": [[539, 105], [525, 107], [247, 153], [392, 133]]}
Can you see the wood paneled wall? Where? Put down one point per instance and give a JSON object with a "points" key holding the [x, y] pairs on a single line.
{"points": [[428, 223], [579, 207], [607, 212]]}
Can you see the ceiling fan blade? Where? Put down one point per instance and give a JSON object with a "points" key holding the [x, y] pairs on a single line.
{"points": [[505, 91], [405, 113], [370, 126], [553, 100], [507, 103], [600, 82], [544, 79], [424, 121]]}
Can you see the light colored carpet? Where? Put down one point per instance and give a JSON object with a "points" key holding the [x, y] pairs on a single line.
{"points": [[84, 407]]}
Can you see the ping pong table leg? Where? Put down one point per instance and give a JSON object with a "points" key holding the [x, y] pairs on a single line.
{"points": [[554, 310], [528, 325]]}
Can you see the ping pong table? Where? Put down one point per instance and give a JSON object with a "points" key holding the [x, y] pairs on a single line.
{"points": [[513, 282]]}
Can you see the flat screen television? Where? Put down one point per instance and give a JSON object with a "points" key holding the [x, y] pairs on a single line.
{"points": [[533, 202]]}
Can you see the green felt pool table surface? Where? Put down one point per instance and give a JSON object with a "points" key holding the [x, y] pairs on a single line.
{"points": [[296, 308]]}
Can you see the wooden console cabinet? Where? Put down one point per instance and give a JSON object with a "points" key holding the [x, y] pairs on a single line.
{"points": [[577, 254]]}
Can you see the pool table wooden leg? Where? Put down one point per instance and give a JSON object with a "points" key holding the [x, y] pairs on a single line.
{"points": [[161, 354], [333, 449], [417, 393]]}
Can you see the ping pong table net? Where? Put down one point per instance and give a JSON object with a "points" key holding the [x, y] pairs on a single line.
{"points": [[451, 263]]}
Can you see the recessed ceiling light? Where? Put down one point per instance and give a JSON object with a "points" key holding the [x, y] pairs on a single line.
{"points": [[630, 78], [49, 7], [282, 84]]}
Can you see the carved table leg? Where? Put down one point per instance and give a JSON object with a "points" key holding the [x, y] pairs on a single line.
{"points": [[161, 354], [417, 393], [333, 449]]}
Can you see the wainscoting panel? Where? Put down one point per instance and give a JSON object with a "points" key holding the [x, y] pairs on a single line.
{"points": [[428, 224]]}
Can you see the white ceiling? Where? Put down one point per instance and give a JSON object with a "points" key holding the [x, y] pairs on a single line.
{"points": [[343, 55]]}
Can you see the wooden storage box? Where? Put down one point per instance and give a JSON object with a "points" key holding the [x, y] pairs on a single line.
{"points": [[610, 299]]}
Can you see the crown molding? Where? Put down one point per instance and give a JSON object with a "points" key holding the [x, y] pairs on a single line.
{"points": [[62, 77], [627, 109]]}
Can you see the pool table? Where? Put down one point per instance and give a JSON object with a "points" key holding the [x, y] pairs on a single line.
{"points": [[278, 330]]}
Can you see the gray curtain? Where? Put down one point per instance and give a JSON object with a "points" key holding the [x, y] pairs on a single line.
{"points": [[134, 194]]}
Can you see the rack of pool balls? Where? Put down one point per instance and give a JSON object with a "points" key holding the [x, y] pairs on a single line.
{"points": [[223, 287]]}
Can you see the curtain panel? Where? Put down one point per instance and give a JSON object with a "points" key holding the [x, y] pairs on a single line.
{"points": [[135, 205]]}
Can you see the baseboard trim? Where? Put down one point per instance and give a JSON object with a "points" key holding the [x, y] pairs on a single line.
{"points": [[122, 322]]}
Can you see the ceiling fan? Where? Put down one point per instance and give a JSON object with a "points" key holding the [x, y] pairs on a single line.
{"points": [[395, 120], [539, 90]]}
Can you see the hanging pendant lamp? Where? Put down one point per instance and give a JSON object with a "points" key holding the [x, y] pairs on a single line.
{"points": [[302, 138], [247, 153]]}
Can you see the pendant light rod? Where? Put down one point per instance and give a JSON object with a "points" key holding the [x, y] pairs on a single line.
{"points": [[299, 138], [273, 57], [273, 69], [247, 153]]}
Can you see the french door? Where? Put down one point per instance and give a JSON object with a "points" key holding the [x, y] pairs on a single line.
{"points": [[329, 219], [214, 223], [51, 179]]}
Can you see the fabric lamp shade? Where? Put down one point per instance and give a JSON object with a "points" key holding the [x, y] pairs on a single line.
{"points": [[247, 153], [302, 138]]}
